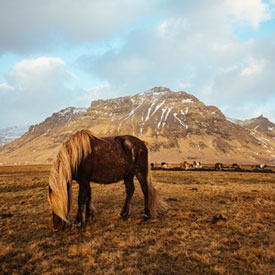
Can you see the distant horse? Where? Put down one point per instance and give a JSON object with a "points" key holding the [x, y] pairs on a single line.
{"points": [[261, 166], [236, 166], [197, 164], [84, 158], [185, 165], [218, 166]]}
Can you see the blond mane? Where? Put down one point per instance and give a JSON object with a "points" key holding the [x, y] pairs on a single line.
{"points": [[72, 152]]}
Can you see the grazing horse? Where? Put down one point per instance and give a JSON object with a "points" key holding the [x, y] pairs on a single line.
{"points": [[185, 165], [84, 158], [218, 166], [236, 166], [261, 166], [197, 164]]}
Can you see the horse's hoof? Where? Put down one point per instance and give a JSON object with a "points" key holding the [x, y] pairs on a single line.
{"points": [[78, 225], [145, 217], [76, 221], [123, 216]]}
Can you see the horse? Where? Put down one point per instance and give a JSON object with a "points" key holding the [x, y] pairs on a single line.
{"points": [[218, 166], [85, 157], [185, 165], [261, 166], [236, 166], [197, 164]]}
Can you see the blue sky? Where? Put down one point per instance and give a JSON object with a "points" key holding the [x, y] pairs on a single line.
{"points": [[56, 53]]}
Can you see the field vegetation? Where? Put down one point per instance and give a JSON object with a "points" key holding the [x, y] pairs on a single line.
{"points": [[218, 223]]}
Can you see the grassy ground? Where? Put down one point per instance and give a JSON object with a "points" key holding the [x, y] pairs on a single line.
{"points": [[218, 223]]}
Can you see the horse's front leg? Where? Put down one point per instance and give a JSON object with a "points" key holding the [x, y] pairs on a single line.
{"points": [[84, 188], [130, 188]]}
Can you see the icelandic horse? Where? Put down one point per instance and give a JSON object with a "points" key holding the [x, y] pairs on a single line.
{"points": [[85, 157]]}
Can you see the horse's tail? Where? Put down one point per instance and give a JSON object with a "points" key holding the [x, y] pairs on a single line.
{"points": [[73, 151], [157, 206]]}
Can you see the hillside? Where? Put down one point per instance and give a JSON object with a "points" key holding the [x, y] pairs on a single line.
{"points": [[176, 125]]}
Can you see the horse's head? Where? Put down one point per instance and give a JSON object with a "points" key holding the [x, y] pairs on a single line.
{"points": [[58, 223]]}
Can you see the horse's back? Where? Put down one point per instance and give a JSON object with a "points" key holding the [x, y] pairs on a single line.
{"points": [[112, 158]]}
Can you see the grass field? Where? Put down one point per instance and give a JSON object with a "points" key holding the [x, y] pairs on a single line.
{"points": [[218, 223]]}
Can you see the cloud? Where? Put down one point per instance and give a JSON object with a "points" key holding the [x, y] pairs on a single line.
{"points": [[34, 89], [100, 91], [4, 87], [249, 12], [30, 76], [36, 25]]}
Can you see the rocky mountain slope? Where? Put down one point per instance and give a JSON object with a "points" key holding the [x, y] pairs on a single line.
{"points": [[259, 124], [56, 120], [176, 125]]}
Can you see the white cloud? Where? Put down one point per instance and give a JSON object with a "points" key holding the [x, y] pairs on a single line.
{"points": [[5, 87], [171, 27], [252, 68], [31, 76], [249, 12], [34, 89], [100, 91]]}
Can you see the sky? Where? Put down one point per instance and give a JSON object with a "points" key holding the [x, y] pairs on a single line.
{"points": [[56, 53]]}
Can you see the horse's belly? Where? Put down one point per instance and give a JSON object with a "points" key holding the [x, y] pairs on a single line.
{"points": [[108, 175], [109, 162]]}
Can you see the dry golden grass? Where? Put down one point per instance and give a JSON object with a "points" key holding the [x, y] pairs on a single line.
{"points": [[218, 223]]}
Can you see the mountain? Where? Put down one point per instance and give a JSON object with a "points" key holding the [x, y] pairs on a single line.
{"points": [[260, 124], [56, 120], [11, 133], [176, 125]]}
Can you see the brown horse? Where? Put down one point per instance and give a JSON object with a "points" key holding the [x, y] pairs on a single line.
{"points": [[84, 158], [185, 165], [218, 166], [236, 166]]}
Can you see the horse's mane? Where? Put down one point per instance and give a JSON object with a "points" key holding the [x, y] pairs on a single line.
{"points": [[72, 152]]}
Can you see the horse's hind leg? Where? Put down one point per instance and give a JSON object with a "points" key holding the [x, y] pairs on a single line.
{"points": [[142, 178], [90, 210], [130, 188], [84, 192]]}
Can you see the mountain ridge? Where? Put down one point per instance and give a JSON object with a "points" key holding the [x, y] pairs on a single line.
{"points": [[176, 125]]}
